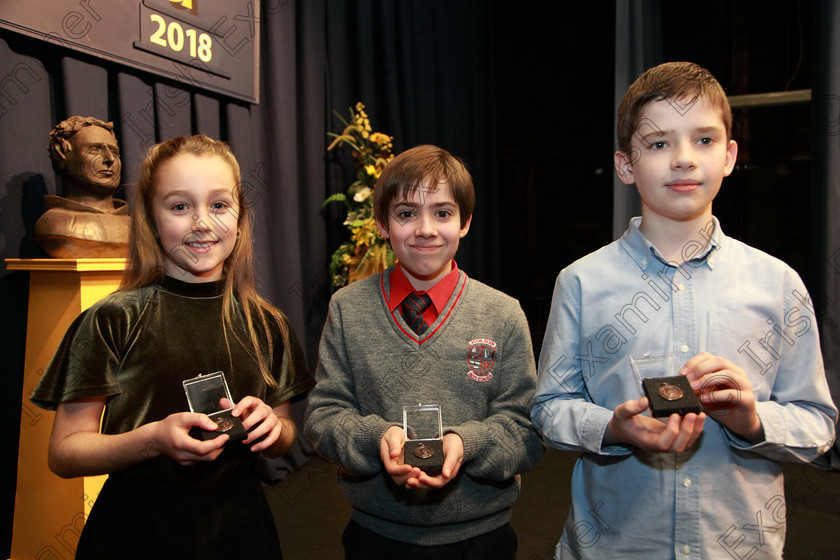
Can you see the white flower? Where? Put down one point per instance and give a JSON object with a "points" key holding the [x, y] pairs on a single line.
{"points": [[362, 194]]}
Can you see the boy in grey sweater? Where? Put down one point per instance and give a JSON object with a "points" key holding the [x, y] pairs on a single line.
{"points": [[423, 332]]}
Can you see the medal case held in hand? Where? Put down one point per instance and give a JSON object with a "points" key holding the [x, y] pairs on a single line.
{"points": [[204, 395], [423, 437], [667, 393]]}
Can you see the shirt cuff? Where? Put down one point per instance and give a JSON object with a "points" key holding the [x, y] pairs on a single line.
{"points": [[593, 430]]}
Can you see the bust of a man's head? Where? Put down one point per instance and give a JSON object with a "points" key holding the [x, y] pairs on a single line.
{"points": [[84, 153], [87, 221]]}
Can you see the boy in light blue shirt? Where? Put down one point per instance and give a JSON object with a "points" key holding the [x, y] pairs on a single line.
{"points": [[739, 323]]}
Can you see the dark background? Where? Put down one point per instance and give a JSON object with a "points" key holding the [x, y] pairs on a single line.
{"points": [[524, 94]]}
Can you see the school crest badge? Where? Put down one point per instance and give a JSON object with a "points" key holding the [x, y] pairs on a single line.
{"points": [[481, 357]]}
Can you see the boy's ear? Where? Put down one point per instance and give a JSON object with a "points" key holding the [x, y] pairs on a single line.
{"points": [[731, 158], [624, 168], [383, 231], [465, 229]]}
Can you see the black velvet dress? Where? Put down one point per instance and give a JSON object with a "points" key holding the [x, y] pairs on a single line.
{"points": [[136, 348]]}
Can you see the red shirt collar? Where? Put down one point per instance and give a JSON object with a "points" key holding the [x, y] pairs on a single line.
{"points": [[439, 293]]}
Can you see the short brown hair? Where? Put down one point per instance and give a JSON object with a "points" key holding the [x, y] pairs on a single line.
{"points": [[671, 80], [406, 173]]}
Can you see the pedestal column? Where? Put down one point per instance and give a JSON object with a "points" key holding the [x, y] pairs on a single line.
{"points": [[50, 511]]}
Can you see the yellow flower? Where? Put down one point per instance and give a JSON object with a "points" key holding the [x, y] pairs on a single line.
{"points": [[373, 171], [379, 138], [366, 252], [361, 237]]}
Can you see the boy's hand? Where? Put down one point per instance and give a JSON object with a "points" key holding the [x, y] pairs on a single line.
{"points": [[453, 456], [628, 426], [391, 454], [726, 393]]}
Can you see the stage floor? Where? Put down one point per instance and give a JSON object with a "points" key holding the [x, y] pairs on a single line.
{"points": [[311, 512]]}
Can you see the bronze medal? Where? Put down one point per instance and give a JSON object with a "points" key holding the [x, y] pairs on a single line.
{"points": [[423, 452], [670, 392], [224, 424]]}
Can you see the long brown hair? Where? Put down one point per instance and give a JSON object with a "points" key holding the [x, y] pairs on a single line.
{"points": [[147, 259]]}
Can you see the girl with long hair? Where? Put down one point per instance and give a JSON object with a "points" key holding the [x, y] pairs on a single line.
{"points": [[187, 305]]}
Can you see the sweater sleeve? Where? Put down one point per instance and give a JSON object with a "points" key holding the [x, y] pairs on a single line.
{"points": [[334, 422], [505, 443]]}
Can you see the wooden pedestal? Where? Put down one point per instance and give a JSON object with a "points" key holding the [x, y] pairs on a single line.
{"points": [[50, 511]]}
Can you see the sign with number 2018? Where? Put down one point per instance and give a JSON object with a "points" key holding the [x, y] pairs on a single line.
{"points": [[207, 44]]}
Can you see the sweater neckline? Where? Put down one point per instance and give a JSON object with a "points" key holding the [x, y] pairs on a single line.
{"points": [[193, 289], [442, 319]]}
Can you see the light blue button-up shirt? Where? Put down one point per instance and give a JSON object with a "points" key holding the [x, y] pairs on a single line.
{"points": [[724, 497]]}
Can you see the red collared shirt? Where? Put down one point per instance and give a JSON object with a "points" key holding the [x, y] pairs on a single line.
{"points": [[439, 293]]}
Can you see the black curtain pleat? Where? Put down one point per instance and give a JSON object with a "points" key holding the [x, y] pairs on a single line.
{"points": [[173, 111], [638, 46], [206, 116], [134, 124], [825, 231], [84, 85]]}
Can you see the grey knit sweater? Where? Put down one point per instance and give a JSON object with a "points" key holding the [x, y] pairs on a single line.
{"points": [[476, 361]]}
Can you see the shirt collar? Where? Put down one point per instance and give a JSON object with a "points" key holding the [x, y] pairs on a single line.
{"points": [[636, 245], [439, 293]]}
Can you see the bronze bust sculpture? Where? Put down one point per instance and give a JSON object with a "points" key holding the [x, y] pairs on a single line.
{"points": [[87, 221]]}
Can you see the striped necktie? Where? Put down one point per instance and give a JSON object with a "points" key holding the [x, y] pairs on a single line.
{"points": [[412, 308]]}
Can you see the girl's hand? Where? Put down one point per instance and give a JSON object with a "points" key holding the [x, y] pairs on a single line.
{"points": [[77, 448], [171, 437], [271, 430]]}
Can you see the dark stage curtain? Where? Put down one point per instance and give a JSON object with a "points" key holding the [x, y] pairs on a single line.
{"points": [[638, 46], [422, 69], [825, 250]]}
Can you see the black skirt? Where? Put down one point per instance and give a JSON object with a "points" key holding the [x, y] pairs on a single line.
{"points": [[136, 518]]}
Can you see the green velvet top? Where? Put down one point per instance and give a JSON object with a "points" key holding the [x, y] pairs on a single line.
{"points": [[136, 347]]}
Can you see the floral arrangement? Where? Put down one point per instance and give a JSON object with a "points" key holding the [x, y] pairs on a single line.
{"points": [[366, 252]]}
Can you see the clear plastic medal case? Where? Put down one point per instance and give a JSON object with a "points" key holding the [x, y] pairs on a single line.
{"points": [[423, 426], [206, 394]]}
